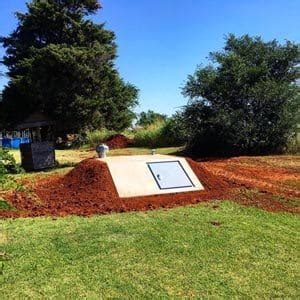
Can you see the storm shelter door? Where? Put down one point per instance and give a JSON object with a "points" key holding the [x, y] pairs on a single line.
{"points": [[169, 175]]}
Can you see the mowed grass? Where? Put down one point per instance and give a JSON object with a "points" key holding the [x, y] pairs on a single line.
{"points": [[214, 249]]}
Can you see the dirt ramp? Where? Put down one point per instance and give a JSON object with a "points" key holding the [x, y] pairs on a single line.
{"points": [[89, 189], [91, 176]]}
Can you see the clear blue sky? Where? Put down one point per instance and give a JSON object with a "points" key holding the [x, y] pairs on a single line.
{"points": [[162, 41]]}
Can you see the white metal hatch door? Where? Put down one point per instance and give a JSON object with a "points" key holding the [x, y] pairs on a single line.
{"points": [[170, 175]]}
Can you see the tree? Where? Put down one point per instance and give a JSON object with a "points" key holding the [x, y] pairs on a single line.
{"points": [[150, 117], [246, 101], [61, 63]]}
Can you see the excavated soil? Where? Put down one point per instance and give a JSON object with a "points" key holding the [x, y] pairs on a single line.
{"points": [[89, 189], [118, 141], [252, 173], [263, 184]]}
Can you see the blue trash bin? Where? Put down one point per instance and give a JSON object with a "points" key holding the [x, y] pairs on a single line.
{"points": [[6, 143], [15, 143]]}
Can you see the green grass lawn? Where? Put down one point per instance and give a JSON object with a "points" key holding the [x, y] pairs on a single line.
{"points": [[155, 254]]}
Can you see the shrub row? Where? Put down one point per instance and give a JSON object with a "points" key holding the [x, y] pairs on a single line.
{"points": [[160, 134]]}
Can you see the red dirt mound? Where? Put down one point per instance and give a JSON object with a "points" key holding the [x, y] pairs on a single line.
{"points": [[118, 141], [89, 189]]}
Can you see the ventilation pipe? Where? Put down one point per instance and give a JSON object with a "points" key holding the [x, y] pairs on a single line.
{"points": [[102, 150]]}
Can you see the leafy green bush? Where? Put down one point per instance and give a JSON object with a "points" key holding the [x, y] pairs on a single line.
{"points": [[245, 101], [4, 205], [149, 136], [8, 163], [160, 134], [174, 131]]}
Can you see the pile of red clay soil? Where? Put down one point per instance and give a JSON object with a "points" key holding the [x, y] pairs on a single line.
{"points": [[89, 189], [118, 141]]}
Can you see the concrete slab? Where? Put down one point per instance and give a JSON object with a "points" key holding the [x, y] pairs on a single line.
{"points": [[133, 177]]}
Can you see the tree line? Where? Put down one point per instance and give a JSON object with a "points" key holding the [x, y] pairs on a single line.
{"points": [[246, 101]]}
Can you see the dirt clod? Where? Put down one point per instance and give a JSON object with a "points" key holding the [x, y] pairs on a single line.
{"points": [[215, 223]]}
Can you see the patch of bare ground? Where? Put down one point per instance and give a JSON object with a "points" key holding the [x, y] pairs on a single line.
{"points": [[89, 189]]}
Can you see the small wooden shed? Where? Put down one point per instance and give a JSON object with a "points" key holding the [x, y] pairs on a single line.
{"points": [[40, 152]]}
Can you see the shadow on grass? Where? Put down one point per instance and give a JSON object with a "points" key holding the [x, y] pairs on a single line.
{"points": [[55, 168]]}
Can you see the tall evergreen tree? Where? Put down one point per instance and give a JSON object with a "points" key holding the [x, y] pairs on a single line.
{"points": [[61, 63]]}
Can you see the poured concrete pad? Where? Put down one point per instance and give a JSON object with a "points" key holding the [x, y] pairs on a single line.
{"points": [[142, 175]]}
